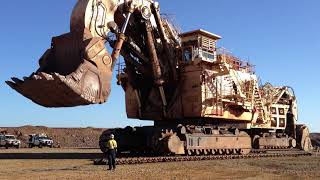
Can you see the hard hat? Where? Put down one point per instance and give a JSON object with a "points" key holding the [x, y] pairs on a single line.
{"points": [[111, 136]]}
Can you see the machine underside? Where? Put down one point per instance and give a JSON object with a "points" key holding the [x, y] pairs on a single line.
{"points": [[178, 139]]}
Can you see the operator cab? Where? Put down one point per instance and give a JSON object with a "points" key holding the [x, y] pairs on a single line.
{"points": [[199, 45]]}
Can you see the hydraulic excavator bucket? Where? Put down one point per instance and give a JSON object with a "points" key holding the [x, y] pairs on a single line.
{"points": [[76, 70]]}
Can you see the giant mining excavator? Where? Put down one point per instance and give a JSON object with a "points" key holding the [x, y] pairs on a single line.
{"points": [[203, 100]]}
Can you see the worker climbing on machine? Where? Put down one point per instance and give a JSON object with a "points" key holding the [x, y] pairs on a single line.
{"points": [[111, 152]]}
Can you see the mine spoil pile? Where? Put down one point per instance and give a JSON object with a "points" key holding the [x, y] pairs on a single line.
{"points": [[315, 139], [62, 137]]}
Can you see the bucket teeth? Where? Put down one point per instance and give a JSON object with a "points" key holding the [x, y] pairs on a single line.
{"points": [[36, 77], [48, 90], [46, 76], [16, 80], [58, 77], [55, 90], [11, 84], [65, 78], [25, 78]]}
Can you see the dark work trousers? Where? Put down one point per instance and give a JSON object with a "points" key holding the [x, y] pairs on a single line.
{"points": [[111, 155]]}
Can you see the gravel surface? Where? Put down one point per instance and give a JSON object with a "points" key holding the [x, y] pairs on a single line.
{"points": [[266, 168], [50, 150]]}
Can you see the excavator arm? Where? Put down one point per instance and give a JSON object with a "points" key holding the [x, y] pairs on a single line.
{"points": [[77, 69]]}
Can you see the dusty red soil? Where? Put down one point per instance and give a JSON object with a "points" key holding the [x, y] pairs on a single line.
{"points": [[63, 137], [285, 168]]}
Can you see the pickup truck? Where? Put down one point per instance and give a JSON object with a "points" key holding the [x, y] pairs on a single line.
{"points": [[9, 141]]}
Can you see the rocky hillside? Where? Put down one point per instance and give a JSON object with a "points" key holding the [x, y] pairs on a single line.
{"points": [[63, 137], [315, 139]]}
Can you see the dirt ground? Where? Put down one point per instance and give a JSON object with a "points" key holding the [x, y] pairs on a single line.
{"points": [[49, 150], [266, 168]]}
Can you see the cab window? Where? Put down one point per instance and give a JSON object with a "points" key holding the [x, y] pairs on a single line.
{"points": [[187, 55]]}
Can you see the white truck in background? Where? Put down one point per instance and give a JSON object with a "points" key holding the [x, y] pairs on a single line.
{"points": [[40, 140], [9, 141]]}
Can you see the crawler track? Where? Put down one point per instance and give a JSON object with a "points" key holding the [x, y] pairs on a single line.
{"points": [[254, 154]]}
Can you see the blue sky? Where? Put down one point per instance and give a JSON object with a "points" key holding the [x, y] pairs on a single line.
{"points": [[282, 38]]}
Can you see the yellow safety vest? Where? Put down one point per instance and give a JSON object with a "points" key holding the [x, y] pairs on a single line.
{"points": [[112, 144]]}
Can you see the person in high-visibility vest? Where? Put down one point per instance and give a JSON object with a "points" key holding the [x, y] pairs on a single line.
{"points": [[111, 152]]}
